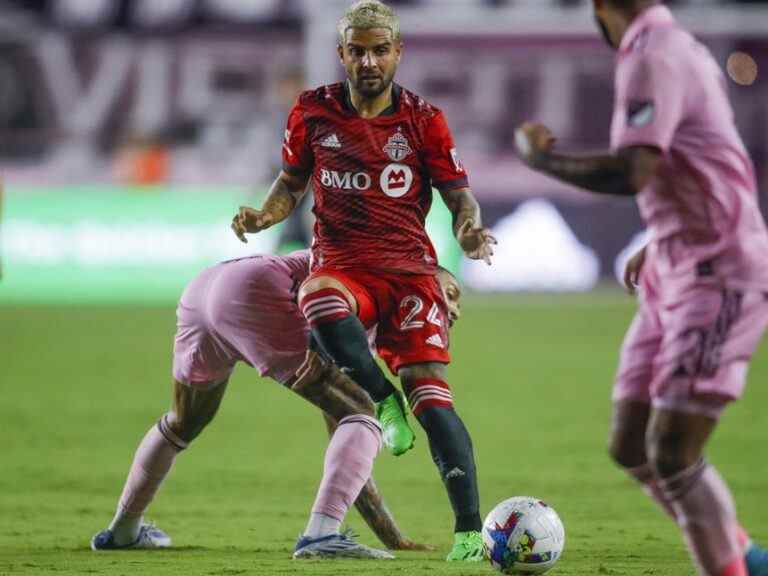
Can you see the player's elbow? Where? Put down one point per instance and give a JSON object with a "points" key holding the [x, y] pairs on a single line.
{"points": [[642, 166]]}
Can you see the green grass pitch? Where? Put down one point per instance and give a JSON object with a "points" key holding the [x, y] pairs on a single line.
{"points": [[531, 376]]}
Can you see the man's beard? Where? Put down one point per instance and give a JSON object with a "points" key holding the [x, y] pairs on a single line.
{"points": [[364, 88], [604, 31]]}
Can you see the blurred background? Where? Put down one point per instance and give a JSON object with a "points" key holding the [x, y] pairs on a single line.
{"points": [[131, 130]]}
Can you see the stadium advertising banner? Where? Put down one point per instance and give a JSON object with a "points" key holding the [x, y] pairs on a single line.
{"points": [[214, 104], [133, 245], [129, 245], [220, 101]]}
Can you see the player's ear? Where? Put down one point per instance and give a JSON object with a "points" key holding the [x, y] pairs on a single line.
{"points": [[340, 52], [399, 50]]}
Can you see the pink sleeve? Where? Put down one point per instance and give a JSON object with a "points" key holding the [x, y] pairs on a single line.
{"points": [[650, 95], [440, 155], [297, 153]]}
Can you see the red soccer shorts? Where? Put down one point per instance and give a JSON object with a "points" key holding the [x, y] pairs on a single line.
{"points": [[408, 311]]}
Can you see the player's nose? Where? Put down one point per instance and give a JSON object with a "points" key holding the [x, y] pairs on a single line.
{"points": [[369, 60]]}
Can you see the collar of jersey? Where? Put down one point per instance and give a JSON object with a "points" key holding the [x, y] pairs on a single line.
{"points": [[346, 101], [652, 16]]}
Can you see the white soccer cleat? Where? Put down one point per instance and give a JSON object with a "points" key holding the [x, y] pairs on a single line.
{"points": [[337, 546], [150, 537]]}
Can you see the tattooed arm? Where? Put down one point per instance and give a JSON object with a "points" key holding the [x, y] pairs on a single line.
{"points": [[463, 206], [284, 195], [476, 241], [623, 174]]}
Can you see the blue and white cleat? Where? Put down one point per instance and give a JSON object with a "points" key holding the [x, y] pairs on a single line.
{"points": [[337, 546], [756, 559], [150, 537]]}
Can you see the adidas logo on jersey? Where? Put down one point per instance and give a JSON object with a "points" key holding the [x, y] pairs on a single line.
{"points": [[435, 340], [331, 141]]}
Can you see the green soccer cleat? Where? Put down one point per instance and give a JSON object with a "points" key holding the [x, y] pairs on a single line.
{"points": [[396, 433], [467, 547]]}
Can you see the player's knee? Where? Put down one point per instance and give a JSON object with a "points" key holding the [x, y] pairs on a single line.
{"points": [[626, 450], [626, 444], [169, 427], [623, 457], [668, 454], [185, 427], [414, 372], [193, 409], [325, 297]]}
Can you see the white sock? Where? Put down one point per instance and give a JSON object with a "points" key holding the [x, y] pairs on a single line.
{"points": [[321, 525], [125, 529]]}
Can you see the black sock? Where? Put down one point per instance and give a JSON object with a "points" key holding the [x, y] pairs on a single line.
{"points": [[451, 449], [345, 342]]}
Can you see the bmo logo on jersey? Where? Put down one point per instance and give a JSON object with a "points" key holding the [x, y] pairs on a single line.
{"points": [[396, 180], [345, 181]]}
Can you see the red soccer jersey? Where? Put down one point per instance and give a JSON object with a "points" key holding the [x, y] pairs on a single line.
{"points": [[372, 178]]}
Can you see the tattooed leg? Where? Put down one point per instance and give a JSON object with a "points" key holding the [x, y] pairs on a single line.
{"points": [[339, 397]]}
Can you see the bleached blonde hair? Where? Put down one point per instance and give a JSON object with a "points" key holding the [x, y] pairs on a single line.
{"points": [[367, 14]]}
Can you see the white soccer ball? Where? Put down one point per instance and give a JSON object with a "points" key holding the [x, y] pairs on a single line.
{"points": [[523, 535]]}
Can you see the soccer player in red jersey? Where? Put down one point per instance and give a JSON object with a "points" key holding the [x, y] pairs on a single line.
{"points": [[373, 151]]}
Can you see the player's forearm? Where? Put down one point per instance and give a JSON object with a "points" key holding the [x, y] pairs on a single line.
{"points": [[463, 206], [374, 511], [284, 195], [607, 174]]}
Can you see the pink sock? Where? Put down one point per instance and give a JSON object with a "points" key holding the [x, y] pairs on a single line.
{"points": [[348, 465], [706, 513], [647, 479], [151, 463], [650, 485], [736, 567]]}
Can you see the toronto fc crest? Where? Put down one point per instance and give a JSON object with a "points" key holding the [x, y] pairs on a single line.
{"points": [[397, 146]]}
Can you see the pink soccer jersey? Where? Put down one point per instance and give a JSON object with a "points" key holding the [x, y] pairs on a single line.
{"points": [[242, 310], [704, 303], [702, 208]]}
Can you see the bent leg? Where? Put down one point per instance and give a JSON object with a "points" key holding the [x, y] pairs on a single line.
{"points": [[449, 440], [193, 409], [627, 448], [331, 310], [338, 397], [348, 464], [702, 503]]}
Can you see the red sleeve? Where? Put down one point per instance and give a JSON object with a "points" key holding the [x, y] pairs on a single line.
{"points": [[440, 155], [297, 153]]}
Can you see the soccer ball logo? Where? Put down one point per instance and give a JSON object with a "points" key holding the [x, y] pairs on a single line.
{"points": [[523, 536]]}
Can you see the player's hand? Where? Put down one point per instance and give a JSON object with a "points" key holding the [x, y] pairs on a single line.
{"points": [[533, 141], [633, 270], [250, 220], [406, 544], [311, 371], [477, 243]]}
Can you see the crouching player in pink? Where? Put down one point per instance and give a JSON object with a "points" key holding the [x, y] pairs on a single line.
{"points": [[245, 310], [704, 286]]}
